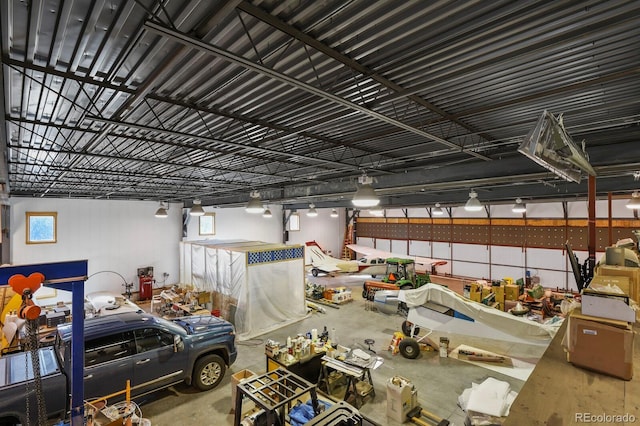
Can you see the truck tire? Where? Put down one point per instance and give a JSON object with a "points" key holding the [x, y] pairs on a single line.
{"points": [[409, 348], [314, 272], [208, 372]]}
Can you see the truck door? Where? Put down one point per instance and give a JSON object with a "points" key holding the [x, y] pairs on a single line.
{"points": [[108, 364], [156, 364]]}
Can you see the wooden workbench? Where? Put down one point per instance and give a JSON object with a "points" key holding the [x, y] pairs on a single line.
{"points": [[557, 391]]}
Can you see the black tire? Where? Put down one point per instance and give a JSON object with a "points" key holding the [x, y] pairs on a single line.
{"points": [[314, 272], [406, 287], [406, 329], [208, 372], [373, 276], [409, 348]]}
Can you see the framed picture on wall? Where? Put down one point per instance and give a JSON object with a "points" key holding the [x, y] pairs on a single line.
{"points": [[42, 227], [207, 224]]}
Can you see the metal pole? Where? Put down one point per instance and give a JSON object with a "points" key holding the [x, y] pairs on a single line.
{"points": [[592, 224]]}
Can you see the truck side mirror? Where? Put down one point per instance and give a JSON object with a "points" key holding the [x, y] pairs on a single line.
{"points": [[178, 344]]}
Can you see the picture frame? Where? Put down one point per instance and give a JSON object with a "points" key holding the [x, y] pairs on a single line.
{"points": [[41, 227]]}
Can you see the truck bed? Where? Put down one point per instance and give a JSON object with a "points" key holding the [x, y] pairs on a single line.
{"points": [[13, 367]]}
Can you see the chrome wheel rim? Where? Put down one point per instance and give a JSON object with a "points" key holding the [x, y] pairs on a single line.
{"points": [[210, 374]]}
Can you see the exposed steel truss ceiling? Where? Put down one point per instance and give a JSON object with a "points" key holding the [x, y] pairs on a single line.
{"points": [[172, 100]]}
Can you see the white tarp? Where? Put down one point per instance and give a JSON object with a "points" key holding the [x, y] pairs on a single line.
{"points": [[491, 317], [265, 281]]}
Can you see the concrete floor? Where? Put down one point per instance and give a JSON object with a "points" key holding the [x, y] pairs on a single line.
{"points": [[439, 381]]}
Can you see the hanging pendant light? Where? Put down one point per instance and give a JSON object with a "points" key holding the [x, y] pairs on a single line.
{"points": [[634, 202], [312, 212], [519, 206], [473, 204], [162, 210], [365, 196], [255, 203], [196, 209], [437, 210], [334, 213], [267, 213]]}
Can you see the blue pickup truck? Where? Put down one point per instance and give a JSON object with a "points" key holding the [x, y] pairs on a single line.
{"points": [[151, 352]]}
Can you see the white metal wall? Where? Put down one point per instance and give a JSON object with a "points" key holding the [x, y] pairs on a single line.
{"points": [[116, 237]]}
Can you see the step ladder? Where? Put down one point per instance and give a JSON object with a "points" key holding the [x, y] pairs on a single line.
{"points": [[347, 253]]}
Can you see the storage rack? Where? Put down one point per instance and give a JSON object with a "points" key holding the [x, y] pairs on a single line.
{"points": [[274, 392]]}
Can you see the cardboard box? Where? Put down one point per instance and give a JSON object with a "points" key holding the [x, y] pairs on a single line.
{"points": [[500, 295], [475, 295], [607, 305], [600, 346], [624, 271], [236, 378], [611, 280], [511, 292]]}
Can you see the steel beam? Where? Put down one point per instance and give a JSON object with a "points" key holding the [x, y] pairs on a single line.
{"points": [[351, 63], [268, 72]]}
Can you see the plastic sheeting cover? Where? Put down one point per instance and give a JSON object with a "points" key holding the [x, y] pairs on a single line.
{"points": [[266, 280]]}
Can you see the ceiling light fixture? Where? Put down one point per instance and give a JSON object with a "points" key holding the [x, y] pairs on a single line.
{"points": [[196, 208], [255, 203], [267, 213], [334, 213], [634, 202], [365, 196], [162, 210], [519, 206], [312, 212], [473, 204], [437, 210]]}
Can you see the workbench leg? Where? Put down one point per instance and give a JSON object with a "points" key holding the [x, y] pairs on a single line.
{"points": [[373, 389], [352, 389]]}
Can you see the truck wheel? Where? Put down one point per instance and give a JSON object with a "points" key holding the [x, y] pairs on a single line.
{"points": [[406, 287], [409, 348], [314, 272], [208, 372], [406, 329]]}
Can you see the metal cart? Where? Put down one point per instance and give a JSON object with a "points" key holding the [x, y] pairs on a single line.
{"points": [[273, 393]]}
